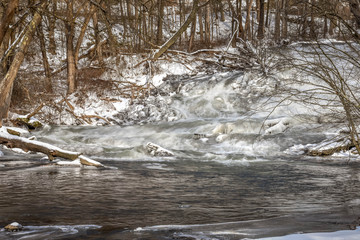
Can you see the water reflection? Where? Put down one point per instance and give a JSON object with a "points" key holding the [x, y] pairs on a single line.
{"points": [[179, 193]]}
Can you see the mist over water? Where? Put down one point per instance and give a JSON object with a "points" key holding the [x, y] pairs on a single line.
{"points": [[229, 178]]}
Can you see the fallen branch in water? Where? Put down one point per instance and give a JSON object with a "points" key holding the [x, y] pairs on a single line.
{"points": [[13, 141]]}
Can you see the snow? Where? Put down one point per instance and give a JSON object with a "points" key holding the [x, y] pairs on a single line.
{"points": [[276, 125], [339, 235], [70, 163], [121, 105]]}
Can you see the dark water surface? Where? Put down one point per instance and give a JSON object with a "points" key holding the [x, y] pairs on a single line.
{"points": [[179, 199]]}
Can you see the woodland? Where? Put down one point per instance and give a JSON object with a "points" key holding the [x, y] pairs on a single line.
{"points": [[52, 49]]}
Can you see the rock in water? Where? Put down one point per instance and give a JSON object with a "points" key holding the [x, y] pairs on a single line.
{"points": [[31, 123], [221, 138], [13, 227], [156, 150]]}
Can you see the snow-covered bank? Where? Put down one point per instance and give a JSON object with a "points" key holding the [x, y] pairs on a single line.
{"points": [[339, 235]]}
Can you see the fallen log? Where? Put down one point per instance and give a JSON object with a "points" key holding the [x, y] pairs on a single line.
{"points": [[14, 141]]}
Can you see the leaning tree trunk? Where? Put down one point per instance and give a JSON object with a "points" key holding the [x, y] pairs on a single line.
{"points": [[82, 32], [7, 17], [6, 84], [176, 36]]}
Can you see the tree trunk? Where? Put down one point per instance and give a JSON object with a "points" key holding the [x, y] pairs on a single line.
{"points": [[207, 26], [124, 20], [192, 35], [222, 12], [233, 15], [239, 14], [305, 22], [176, 36], [98, 49], [248, 20], [325, 31], [261, 19], [52, 25], [159, 35], [267, 13], [71, 65], [355, 10], [201, 26], [48, 84], [284, 19], [82, 33], [7, 82], [7, 18], [312, 22], [277, 22]]}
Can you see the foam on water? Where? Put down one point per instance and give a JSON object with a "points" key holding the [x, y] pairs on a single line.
{"points": [[48, 232]]}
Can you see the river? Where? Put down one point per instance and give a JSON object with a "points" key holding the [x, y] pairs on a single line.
{"points": [[246, 184]]}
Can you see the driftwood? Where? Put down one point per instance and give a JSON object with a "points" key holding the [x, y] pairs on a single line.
{"points": [[13, 141]]}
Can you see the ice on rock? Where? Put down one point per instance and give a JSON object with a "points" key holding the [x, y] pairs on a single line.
{"points": [[13, 227], [275, 126], [221, 138], [223, 128], [156, 150]]}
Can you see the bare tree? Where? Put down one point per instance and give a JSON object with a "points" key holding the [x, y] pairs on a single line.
{"points": [[6, 84], [7, 17], [331, 72]]}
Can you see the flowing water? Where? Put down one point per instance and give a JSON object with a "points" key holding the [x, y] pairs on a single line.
{"points": [[227, 180]]}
